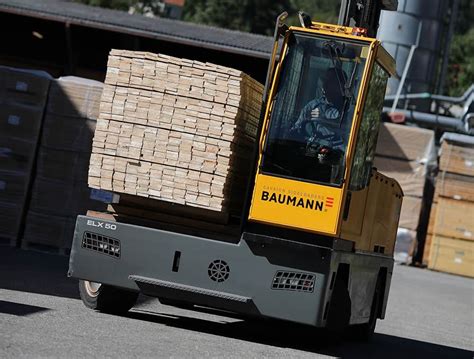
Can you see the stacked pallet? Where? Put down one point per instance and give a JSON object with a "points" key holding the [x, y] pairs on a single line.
{"points": [[60, 191], [450, 241], [175, 130], [23, 96], [405, 153]]}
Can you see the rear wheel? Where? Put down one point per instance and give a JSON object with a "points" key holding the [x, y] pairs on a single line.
{"points": [[339, 308], [105, 298]]}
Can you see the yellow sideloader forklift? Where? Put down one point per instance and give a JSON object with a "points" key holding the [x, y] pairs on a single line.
{"points": [[318, 231]]}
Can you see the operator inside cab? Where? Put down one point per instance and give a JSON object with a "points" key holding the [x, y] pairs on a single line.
{"points": [[319, 124], [314, 103]]}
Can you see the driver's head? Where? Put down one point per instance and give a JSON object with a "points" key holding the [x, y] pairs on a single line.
{"points": [[333, 82]]}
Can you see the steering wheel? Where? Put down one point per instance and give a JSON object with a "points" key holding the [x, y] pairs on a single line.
{"points": [[310, 128]]}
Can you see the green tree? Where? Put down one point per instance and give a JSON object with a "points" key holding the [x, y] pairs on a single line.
{"points": [[257, 16], [464, 20], [461, 56], [322, 10], [144, 7], [461, 63]]}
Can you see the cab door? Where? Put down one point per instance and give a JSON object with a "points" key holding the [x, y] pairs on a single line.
{"points": [[305, 150]]}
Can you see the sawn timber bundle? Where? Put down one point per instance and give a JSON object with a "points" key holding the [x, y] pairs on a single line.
{"points": [[175, 130]]}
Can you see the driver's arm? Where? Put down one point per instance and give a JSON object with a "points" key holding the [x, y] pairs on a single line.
{"points": [[305, 113]]}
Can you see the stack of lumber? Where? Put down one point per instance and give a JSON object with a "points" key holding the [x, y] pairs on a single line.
{"points": [[450, 242], [23, 96], [176, 130], [60, 191], [404, 153]]}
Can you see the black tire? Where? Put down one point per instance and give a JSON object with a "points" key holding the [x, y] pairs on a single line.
{"points": [[105, 298], [365, 332], [339, 312]]}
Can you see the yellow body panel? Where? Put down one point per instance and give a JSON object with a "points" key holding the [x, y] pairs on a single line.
{"points": [[372, 219], [291, 203]]}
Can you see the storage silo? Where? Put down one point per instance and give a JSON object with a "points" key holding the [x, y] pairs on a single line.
{"points": [[398, 31]]}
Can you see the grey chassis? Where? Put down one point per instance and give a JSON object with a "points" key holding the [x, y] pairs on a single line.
{"points": [[257, 276]]}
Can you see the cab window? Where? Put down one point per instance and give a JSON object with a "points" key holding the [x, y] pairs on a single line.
{"points": [[368, 130], [313, 109]]}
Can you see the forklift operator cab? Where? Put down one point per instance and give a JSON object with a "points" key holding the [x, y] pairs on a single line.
{"points": [[320, 128], [309, 128]]}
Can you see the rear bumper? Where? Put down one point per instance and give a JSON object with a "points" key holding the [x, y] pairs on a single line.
{"points": [[278, 280]]}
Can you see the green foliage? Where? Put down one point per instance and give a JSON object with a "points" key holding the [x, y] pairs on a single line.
{"points": [[322, 10], [461, 63], [464, 20], [145, 7], [257, 16], [461, 56]]}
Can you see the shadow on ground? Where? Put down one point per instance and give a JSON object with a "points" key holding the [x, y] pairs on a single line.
{"points": [[287, 335], [19, 309], [35, 272], [40, 273], [43, 273]]}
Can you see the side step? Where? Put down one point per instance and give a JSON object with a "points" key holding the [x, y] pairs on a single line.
{"points": [[194, 295]]}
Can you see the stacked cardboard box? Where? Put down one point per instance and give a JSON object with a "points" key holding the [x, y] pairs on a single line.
{"points": [[175, 130], [404, 153], [450, 243], [23, 96], [60, 191]]}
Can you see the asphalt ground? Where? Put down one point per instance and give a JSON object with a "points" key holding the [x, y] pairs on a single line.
{"points": [[429, 315]]}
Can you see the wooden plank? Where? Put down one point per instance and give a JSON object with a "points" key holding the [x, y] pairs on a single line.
{"points": [[404, 142], [427, 250], [172, 209], [456, 159], [176, 130], [23, 95], [432, 220], [177, 219], [63, 161], [452, 255], [455, 186], [411, 175], [102, 215], [454, 219], [178, 224], [410, 213]]}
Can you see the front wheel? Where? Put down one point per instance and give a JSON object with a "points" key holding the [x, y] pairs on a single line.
{"points": [[105, 298]]}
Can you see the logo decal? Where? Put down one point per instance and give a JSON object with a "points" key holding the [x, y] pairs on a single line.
{"points": [[294, 201], [329, 202]]}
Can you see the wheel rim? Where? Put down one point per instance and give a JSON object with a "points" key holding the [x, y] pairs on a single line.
{"points": [[92, 288]]}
